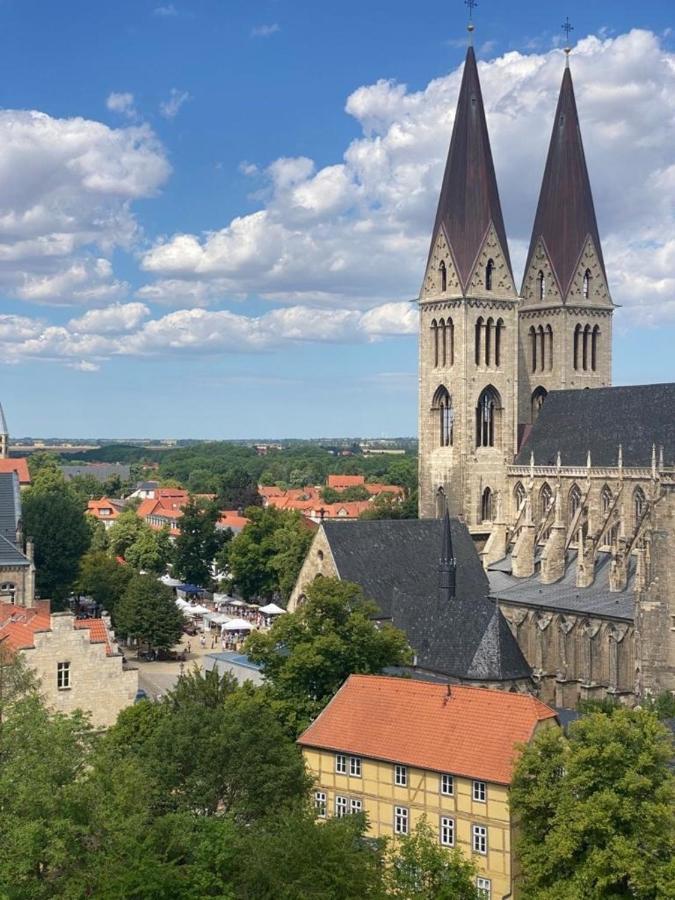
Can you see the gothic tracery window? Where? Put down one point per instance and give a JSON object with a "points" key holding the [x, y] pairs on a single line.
{"points": [[519, 495], [574, 501], [606, 500], [545, 499], [587, 284], [538, 397], [639, 504], [434, 340], [488, 412], [486, 505], [444, 277], [442, 406]]}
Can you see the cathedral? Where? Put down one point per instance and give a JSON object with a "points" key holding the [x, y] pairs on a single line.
{"points": [[566, 484], [557, 572]]}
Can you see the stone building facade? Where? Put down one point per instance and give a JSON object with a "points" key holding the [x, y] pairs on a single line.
{"points": [[569, 493]]}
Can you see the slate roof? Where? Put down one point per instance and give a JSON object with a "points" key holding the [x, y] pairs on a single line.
{"points": [[99, 471], [565, 214], [469, 200], [564, 595], [10, 515], [599, 419], [467, 731], [397, 563]]}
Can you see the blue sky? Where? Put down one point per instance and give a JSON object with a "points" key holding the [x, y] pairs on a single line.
{"points": [[213, 226]]}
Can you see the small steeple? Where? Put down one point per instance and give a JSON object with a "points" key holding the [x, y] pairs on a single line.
{"points": [[565, 217], [469, 201], [447, 567]]}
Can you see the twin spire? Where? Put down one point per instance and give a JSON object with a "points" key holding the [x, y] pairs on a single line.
{"points": [[469, 203]]}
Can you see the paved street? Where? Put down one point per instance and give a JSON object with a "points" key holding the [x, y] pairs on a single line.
{"points": [[159, 677]]}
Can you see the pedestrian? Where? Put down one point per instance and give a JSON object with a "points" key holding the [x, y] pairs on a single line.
{"points": [[202, 641], [213, 641], [188, 646]]}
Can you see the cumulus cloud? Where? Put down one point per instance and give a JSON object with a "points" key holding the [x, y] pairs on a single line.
{"points": [[263, 31], [355, 233], [66, 189], [168, 10], [124, 104], [170, 108], [124, 330]]}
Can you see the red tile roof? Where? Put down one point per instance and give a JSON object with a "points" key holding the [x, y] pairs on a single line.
{"points": [[340, 482], [98, 633], [18, 465], [351, 509], [465, 731], [20, 624], [230, 518], [95, 507]]}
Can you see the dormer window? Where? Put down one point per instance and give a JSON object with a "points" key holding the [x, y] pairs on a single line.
{"points": [[489, 270], [444, 277], [587, 284]]}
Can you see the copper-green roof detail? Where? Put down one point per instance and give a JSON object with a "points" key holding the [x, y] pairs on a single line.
{"points": [[565, 215], [469, 200]]}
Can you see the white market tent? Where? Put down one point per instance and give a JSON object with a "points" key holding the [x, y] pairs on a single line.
{"points": [[198, 610], [271, 610], [238, 625], [218, 618], [169, 581]]}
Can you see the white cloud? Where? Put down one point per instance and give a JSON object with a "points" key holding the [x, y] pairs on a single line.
{"points": [[355, 234], [66, 188], [115, 319], [263, 31], [171, 107], [124, 104], [166, 11]]}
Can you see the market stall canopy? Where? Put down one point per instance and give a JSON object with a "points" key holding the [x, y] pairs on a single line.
{"points": [[189, 588], [271, 610], [238, 625], [170, 582], [198, 610]]}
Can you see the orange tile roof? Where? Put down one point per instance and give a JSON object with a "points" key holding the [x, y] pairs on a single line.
{"points": [[340, 482], [94, 508], [376, 488], [351, 509], [145, 507], [20, 624], [98, 632], [230, 518], [469, 731], [18, 465]]}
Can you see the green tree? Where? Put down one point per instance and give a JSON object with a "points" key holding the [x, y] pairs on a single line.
{"points": [[418, 868], [125, 531], [148, 613], [389, 506], [198, 542], [268, 552], [151, 551], [596, 810], [331, 636], [53, 517], [103, 579], [238, 489]]}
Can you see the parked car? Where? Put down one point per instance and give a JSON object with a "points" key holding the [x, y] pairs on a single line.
{"points": [[141, 695]]}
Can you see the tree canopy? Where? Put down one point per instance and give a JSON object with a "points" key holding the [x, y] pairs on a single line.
{"points": [[148, 613], [308, 654], [198, 542], [103, 579], [596, 810]]}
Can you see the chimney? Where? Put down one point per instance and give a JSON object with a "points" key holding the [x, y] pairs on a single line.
{"points": [[447, 567]]}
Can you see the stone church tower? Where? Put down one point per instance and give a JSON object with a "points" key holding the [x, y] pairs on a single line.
{"points": [[566, 314], [468, 330]]}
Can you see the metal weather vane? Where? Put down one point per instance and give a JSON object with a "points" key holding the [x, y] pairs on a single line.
{"points": [[567, 28], [472, 4]]}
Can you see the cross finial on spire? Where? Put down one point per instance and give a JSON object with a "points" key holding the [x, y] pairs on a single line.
{"points": [[567, 28], [472, 4]]}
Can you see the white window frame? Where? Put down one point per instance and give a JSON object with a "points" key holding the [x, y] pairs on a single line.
{"points": [[446, 781], [341, 806], [400, 775], [355, 805], [479, 791], [63, 681], [340, 764], [401, 820], [446, 831], [484, 888], [479, 839], [320, 804], [355, 766]]}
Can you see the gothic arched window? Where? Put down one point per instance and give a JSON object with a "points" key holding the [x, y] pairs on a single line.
{"points": [[542, 348], [549, 341], [488, 418], [442, 406], [577, 341], [499, 331], [489, 272], [479, 337], [545, 499], [450, 338], [442, 336], [533, 347], [606, 500], [587, 284], [573, 501], [519, 495], [444, 277], [434, 340], [486, 505], [639, 504], [489, 328], [541, 283], [594, 347], [538, 397], [587, 333]]}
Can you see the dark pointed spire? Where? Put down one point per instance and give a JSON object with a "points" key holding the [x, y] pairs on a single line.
{"points": [[469, 200], [447, 567], [565, 215]]}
